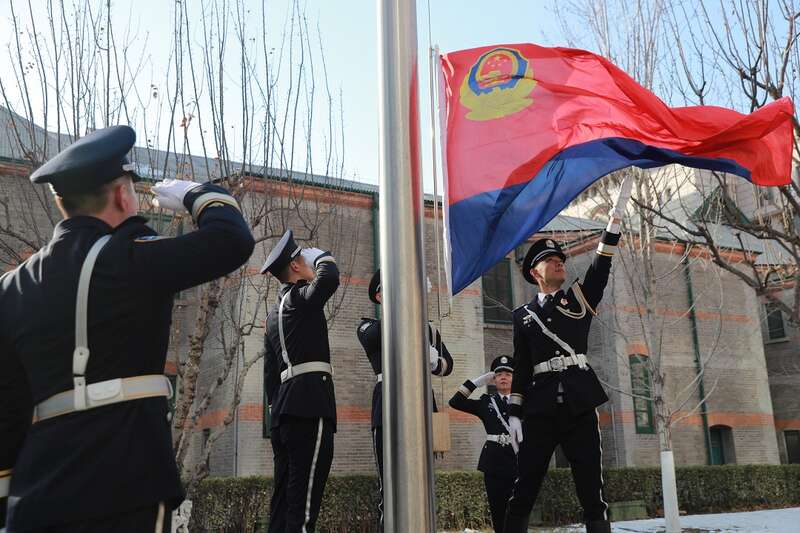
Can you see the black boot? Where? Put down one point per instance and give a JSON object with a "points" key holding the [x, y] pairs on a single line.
{"points": [[598, 526], [516, 523]]}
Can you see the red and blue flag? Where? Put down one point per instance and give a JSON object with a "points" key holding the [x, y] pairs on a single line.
{"points": [[529, 128]]}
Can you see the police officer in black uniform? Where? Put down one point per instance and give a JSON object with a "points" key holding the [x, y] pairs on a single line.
{"points": [[498, 460], [85, 445], [298, 378], [369, 334], [555, 391]]}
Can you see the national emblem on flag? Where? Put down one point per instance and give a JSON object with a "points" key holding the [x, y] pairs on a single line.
{"points": [[528, 128]]}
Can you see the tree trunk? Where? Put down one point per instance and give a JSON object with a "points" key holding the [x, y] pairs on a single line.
{"points": [[669, 487]]}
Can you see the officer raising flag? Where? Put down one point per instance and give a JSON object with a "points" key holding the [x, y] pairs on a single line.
{"points": [[369, 334], [85, 445], [555, 392], [498, 460], [298, 378]]}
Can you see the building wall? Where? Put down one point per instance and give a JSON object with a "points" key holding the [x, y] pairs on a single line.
{"points": [[729, 324], [783, 364], [729, 343], [354, 379]]}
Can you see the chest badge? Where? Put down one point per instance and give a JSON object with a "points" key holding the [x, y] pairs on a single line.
{"points": [[566, 311]]}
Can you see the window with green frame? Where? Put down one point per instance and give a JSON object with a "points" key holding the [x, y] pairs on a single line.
{"points": [[775, 328], [792, 439], [640, 386], [497, 299]]}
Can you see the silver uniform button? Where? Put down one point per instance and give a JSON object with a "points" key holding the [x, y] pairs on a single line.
{"points": [[549, 319]]}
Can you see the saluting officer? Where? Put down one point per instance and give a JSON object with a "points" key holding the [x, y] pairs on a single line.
{"points": [[84, 330], [498, 460], [298, 377], [555, 391], [369, 334]]}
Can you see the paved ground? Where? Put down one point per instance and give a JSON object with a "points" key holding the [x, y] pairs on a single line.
{"points": [[771, 521]]}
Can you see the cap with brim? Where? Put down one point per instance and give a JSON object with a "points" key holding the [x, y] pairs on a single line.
{"points": [[540, 250], [503, 363], [281, 254], [90, 162], [375, 286]]}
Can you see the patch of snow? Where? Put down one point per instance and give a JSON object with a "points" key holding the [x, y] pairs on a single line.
{"points": [[769, 521]]}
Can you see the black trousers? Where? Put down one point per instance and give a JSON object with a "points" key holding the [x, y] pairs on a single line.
{"points": [[377, 448], [303, 452], [579, 437], [156, 517], [498, 491]]}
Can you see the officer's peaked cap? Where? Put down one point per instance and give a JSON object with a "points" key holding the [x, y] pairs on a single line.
{"points": [[90, 162], [503, 362], [375, 285], [541, 249], [281, 254]]}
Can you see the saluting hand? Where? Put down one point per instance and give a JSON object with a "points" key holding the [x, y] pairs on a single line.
{"points": [[515, 429], [310, 255], [483, 379], [169, 194]]}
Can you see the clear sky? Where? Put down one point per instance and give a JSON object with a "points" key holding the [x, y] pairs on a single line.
{"points": [[351, 40], [349, 36]]}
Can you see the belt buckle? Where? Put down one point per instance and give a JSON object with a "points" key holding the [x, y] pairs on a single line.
{"points": [[504, 440], [557, 364]]}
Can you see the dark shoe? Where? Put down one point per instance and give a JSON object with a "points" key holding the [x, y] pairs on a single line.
{"points": [[598, 526], [516, 523]]}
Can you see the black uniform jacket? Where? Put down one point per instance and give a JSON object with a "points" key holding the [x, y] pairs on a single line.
{"points": [[308, 395], [569, 317], [369, 334], [116, 457], [496, 459]]}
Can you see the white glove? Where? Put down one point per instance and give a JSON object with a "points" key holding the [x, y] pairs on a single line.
{"points": [[433, 354], [169, 194], [618, 211], [515, 430], [310, 255], [484, 379]]}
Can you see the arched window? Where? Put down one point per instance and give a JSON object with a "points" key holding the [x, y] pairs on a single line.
{"points": [[775, 328], [722, 449]]}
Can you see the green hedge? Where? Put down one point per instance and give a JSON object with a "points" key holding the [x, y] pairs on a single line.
{"points": [[350, 503]]}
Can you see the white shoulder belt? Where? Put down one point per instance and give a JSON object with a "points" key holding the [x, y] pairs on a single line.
{"points": [[83, 396]]}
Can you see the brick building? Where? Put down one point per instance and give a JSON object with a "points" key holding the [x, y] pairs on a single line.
{"points": [[733, 335], [686, 193]]}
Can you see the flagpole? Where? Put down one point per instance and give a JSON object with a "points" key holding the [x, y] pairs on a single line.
{"points": [[407, 441]]}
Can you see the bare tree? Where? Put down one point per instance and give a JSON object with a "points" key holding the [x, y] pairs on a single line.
{"points": [[228, 102], [746, 55], [737, 54], [644, 39]]}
